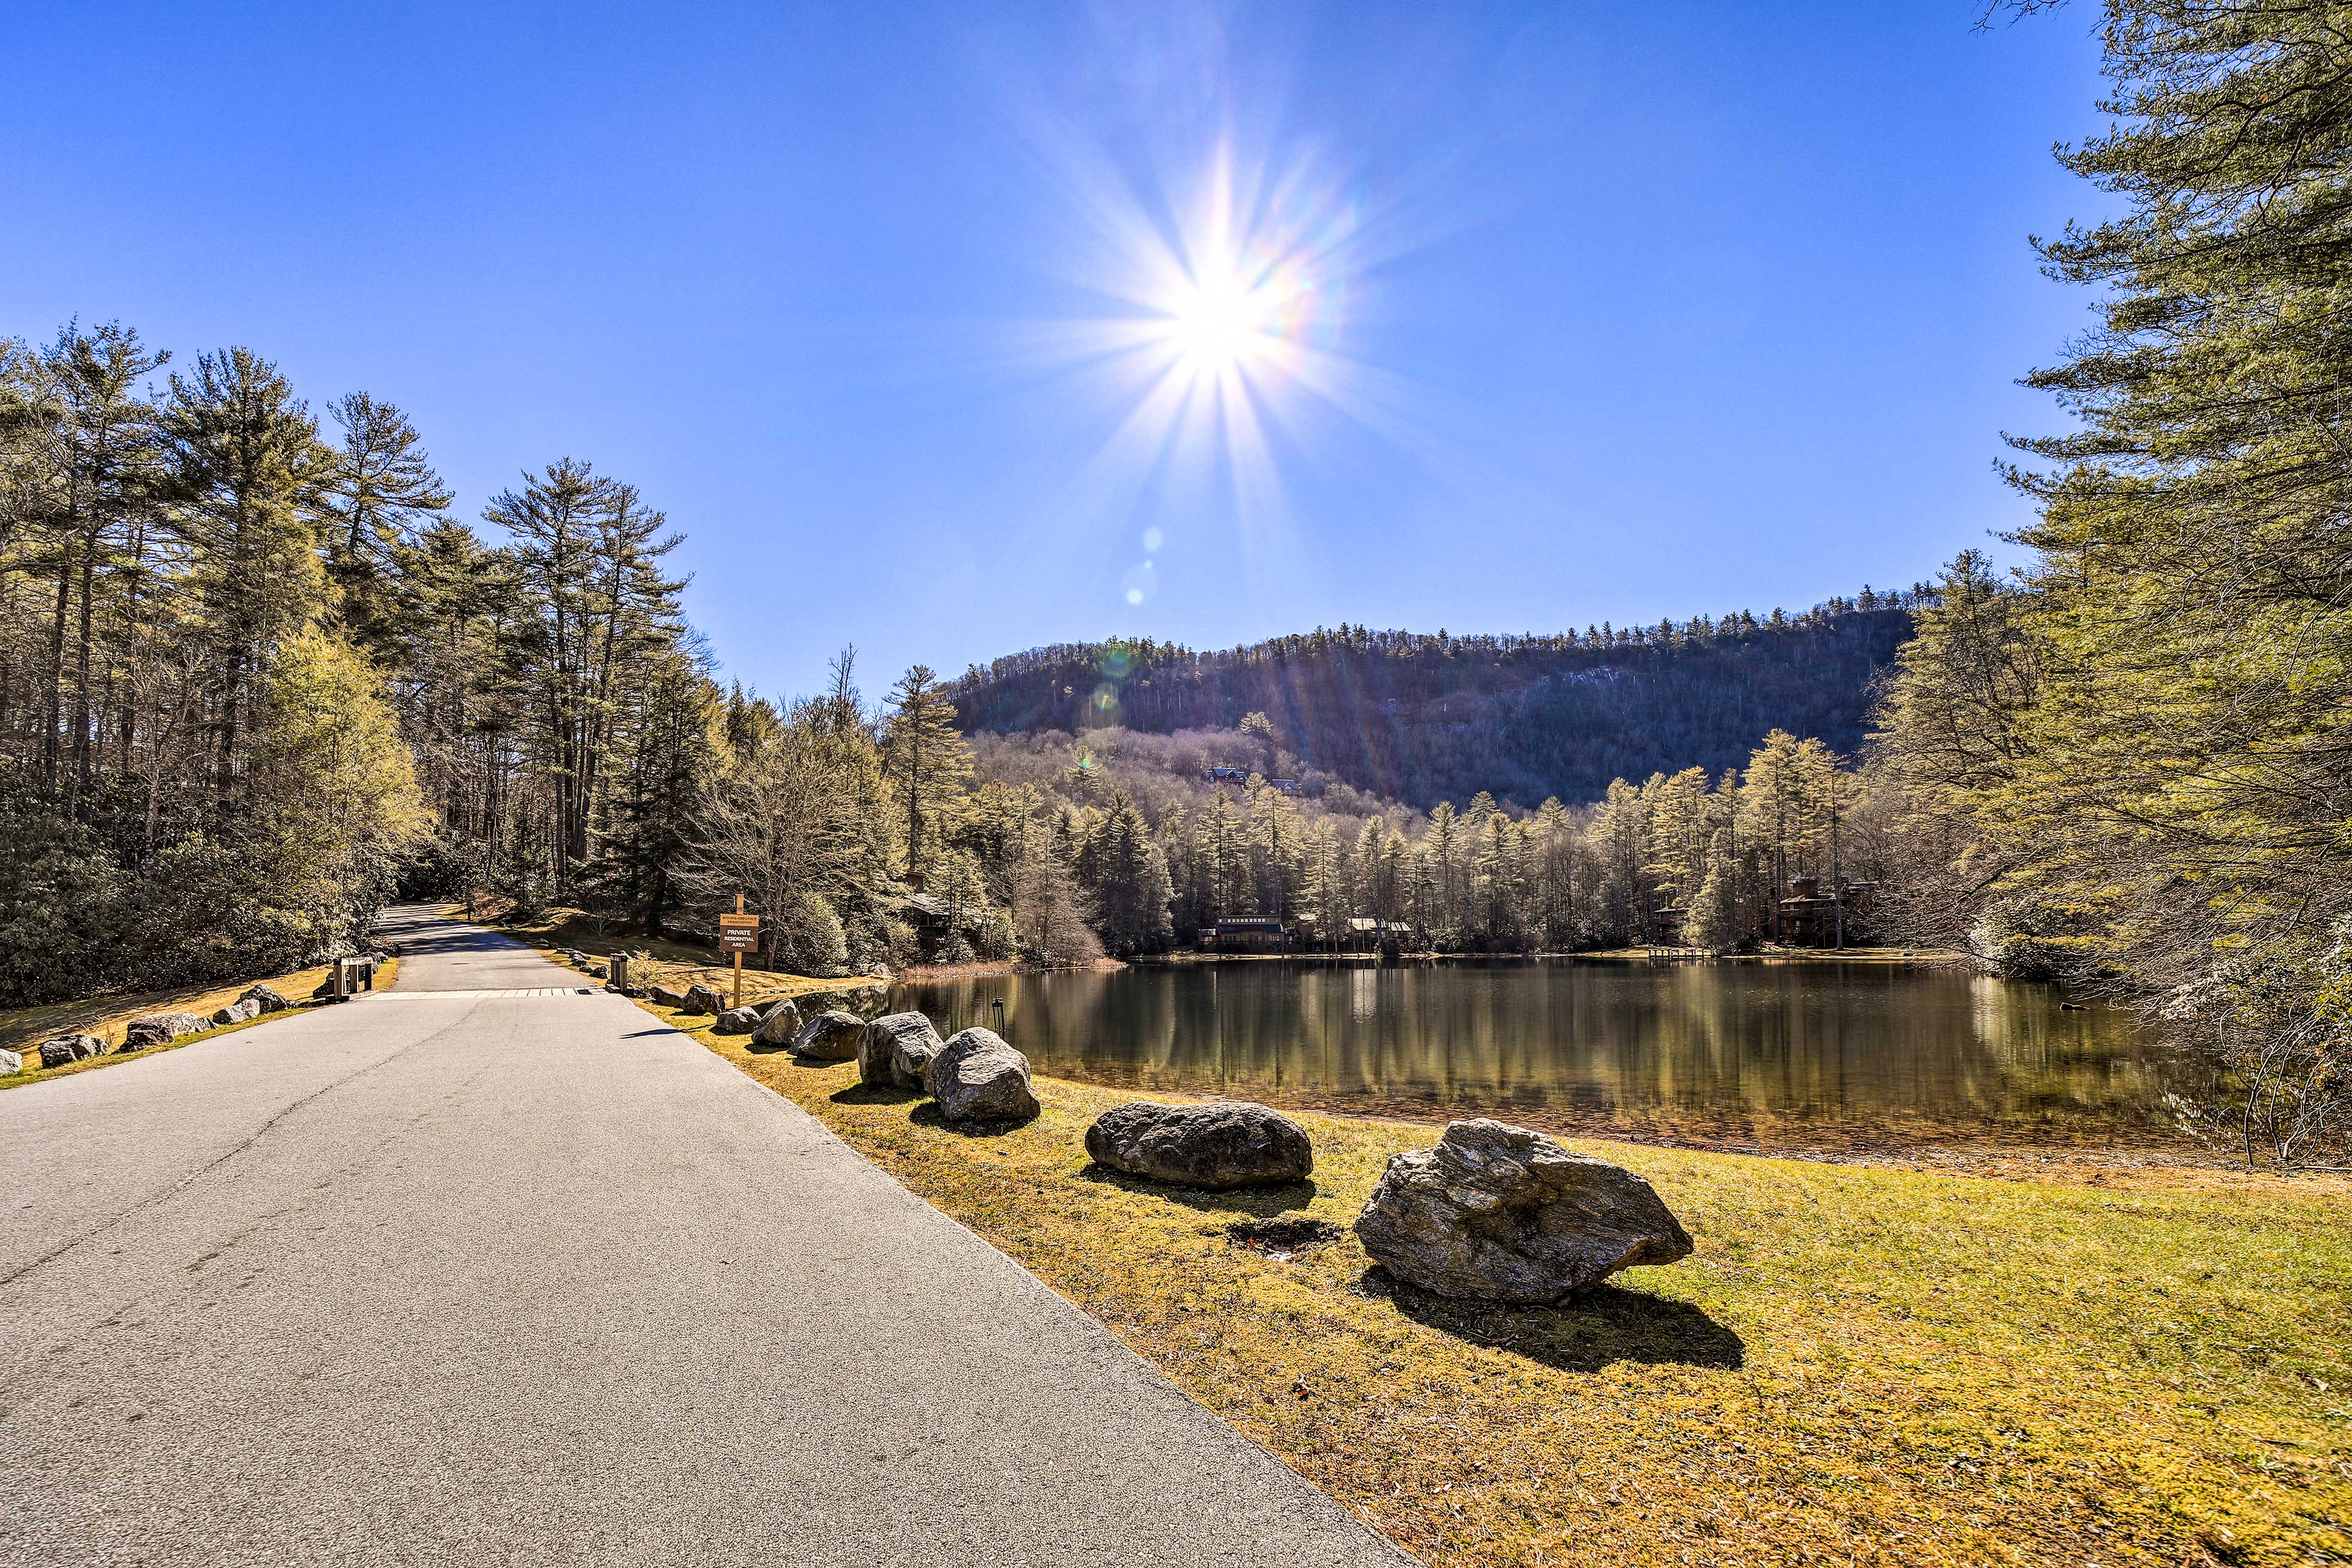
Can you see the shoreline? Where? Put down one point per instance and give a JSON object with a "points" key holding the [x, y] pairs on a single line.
{"points": [[1790, 1387], [2047, 1154]]}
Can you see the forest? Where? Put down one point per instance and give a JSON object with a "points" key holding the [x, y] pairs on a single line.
{"points": [[1424, 717], [256, 680]]}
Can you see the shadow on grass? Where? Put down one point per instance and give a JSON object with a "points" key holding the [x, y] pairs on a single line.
{"points": [[928, 1115], [875, 1094], [1261, 1202], [1598, 1330]]}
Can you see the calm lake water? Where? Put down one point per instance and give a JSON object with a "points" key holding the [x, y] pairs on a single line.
{"points": [[1836, 1052]]}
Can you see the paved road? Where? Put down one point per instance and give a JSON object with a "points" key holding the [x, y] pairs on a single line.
{"points": [[446, 1276]]}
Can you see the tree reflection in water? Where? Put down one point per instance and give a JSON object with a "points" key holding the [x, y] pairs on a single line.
{"points": [[1841, 1052]]}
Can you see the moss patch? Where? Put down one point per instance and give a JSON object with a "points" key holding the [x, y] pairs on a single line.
{"points": [[1862, 1365]]}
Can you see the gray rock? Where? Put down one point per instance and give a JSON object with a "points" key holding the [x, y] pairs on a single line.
{"points": [[264, 998], [10, 1063], [829, 1036], [780, 1025], [702, 999], [663, 996], [70, 1049], [738, 1021], [237, 1013], [1497, 1213], [157, 1029], [893, 1052], [596, 971], [1226, 1144], [976, 1076]]}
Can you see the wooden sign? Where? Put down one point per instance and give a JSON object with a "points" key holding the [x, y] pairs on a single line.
{"points": [[739, 934]]}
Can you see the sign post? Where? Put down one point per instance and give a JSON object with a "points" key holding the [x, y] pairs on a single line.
{"points": [[739, 934]]}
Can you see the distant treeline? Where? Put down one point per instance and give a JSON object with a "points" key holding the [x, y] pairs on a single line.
{"points": [[1423, 718]]}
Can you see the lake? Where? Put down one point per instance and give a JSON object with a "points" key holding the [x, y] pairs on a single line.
{"points": [[1782, 1053]]}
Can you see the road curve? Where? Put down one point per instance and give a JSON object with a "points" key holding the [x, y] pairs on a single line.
{"points": [[485, 1269]]}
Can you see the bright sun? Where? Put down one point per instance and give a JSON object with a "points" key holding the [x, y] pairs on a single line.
{"points": [[1219, 323]]}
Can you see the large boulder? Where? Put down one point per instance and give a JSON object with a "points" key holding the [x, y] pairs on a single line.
{"points": [[702, 999], [11, 1063], [664, 997], [70, 1049], [265, 999], [738, 1021], [235, 1012], [893, 1052], [158, 1029], [1496, 1212], [829, 1038], [976, 1076], [778, 1025], [1227, 1143]]}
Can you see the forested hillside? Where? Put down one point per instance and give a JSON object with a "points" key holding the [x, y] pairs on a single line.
{"points": [[1430, 718]]}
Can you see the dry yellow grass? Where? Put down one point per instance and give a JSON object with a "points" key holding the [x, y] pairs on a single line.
{"points": [[1861, 1364], [107, 1017]]}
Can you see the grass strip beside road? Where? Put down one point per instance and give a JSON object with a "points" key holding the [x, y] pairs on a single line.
{"points": [[108, 1017], [1861, 1364]]}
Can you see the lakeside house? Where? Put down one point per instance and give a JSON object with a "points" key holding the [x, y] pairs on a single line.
{"points": [[1245, 933]]}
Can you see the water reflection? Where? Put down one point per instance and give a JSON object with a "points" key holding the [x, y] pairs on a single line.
{"points": [[1875, 1047]]}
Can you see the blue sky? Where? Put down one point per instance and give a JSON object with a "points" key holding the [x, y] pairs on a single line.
{"points": [[1548, 314]]}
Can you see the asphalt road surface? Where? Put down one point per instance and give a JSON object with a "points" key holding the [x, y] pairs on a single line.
{"points": [[487, 1269]]}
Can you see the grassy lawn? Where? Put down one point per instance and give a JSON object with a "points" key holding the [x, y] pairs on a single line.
{"points": [[107, 1018], [1861, 1364]]}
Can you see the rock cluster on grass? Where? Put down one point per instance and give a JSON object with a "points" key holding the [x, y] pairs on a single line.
{"points": [[265, 999], [737, 1021], [160, 1028], [67, 1049], [976, 1076], [1221, 1145], [1497, 1213], [830, 1036], [780, 1025], [892, 1052], [664, 997], [702, 999], [235, 1012]]}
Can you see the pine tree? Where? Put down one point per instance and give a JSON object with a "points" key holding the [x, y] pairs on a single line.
{"points": [[926, 759], [1124, 877], [247, 471], [380, 492]]}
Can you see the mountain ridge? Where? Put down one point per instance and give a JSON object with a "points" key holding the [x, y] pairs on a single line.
{"points": [[1425, 717]]}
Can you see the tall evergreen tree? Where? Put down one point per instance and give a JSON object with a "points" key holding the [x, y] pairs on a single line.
{"points": [[925, 759]]}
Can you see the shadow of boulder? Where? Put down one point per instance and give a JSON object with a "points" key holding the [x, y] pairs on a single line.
{"points": [[1260, 1202], [874, 1094], [928, 1115], [1605, 1326]]}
